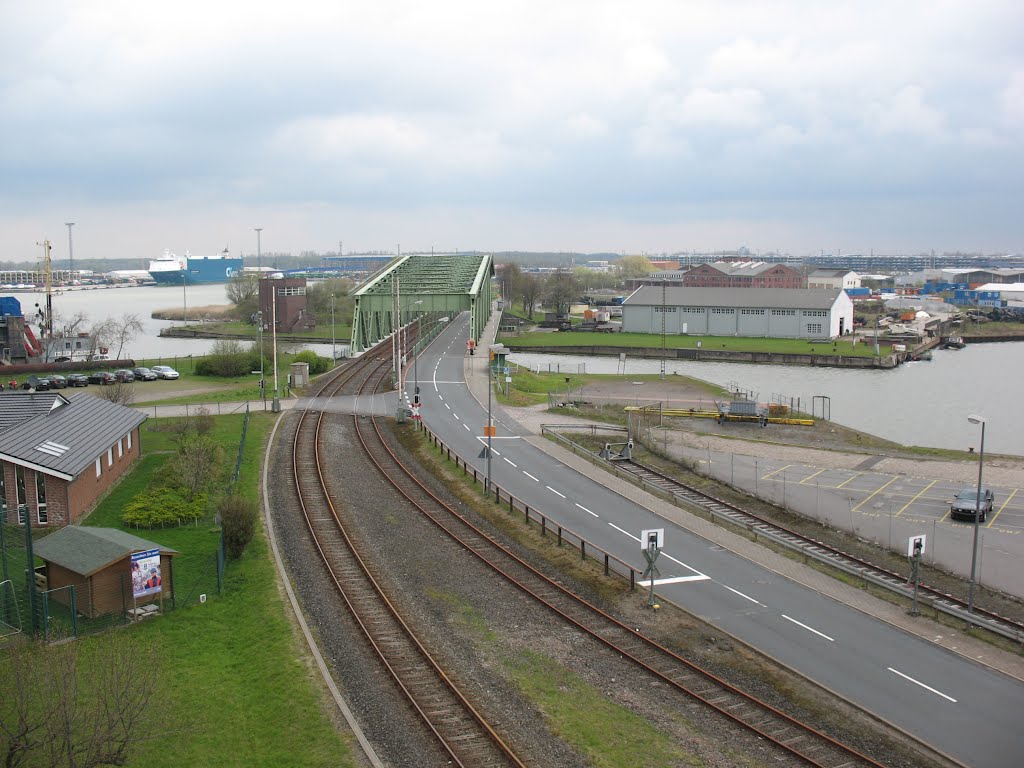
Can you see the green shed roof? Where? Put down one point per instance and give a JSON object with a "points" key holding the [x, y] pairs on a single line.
{"points": [[86, 550]]}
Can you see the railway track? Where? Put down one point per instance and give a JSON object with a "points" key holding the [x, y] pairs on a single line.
{"points": [[461, 731], [749, 520], [785, 733]]}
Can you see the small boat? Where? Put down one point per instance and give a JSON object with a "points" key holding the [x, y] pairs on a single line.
{"points": [[954, 342]]}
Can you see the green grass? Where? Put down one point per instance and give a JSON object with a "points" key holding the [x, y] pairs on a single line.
{"points": [[529, 388], [843, 346], [233, 682]]}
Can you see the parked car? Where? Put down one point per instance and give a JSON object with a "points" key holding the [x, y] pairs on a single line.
{"points": [[123, 374], [57, 381], [965, 504], [144, 374], [78, 380], [165, 372], [102, 377], [38, 383]]}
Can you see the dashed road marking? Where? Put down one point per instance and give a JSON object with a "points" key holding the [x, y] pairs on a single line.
{"points": [[809, 629]]}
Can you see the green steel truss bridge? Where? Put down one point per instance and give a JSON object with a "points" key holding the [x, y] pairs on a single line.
{"points": [[422, 286]]}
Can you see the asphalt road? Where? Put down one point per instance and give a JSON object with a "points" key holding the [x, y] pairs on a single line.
{"points": [[961, 708]]}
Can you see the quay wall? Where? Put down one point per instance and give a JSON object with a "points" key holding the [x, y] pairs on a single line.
{"points": [[771, 358]]}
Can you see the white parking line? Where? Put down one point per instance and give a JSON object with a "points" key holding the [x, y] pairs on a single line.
{"points": [[809, 629], [918, 682], [530, 476], [587, 510], [554, 491], [745, 597], [511, 463]]}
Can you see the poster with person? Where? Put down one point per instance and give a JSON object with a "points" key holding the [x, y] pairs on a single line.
{"points": [[146, 579]]}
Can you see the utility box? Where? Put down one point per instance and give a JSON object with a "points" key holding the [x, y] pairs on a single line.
{"points": [[499, 354], [299, 375]]}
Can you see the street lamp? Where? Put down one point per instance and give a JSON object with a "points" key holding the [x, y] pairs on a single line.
{"points": [[71, 257], [334, 352], [259, 332], [259, 255], [977, 509]]}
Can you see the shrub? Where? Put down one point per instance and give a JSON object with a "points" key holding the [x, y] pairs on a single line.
{"points": [[160, 507], [317, 364], [238, 521], [226, 358]]}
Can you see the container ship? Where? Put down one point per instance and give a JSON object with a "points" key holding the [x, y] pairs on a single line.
{"points": [[169, 269]]}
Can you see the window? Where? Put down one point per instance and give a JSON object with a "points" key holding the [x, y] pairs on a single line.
{"points": [[41, 498], [99, 467], [664, 309], [129, 441], [814, 328], [783, 312], [3, 497], [120, 448], [294, 290], [722, 311], [751, 311], [110, 456], [19, 480]]}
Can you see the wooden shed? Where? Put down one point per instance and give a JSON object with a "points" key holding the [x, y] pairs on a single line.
{"points": [[98, 562]]}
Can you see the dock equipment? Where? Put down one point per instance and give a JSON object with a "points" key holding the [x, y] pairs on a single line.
{"points": [[442, 284]]}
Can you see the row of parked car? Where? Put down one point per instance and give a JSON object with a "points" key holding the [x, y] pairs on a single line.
{"points": [[57, 381]]}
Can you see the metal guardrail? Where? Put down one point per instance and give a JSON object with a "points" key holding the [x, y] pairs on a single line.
{"points": [[805, 549]]}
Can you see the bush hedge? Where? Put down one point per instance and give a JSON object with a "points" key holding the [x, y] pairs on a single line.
{"points": [[162, 507], [317, 364]]}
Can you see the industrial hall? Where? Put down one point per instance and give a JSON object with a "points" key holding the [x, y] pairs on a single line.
{"points": [[779, 313], [59, 454]]}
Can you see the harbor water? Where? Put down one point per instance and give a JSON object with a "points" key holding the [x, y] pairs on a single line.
{"points": [[924, 403], [100, 303]]}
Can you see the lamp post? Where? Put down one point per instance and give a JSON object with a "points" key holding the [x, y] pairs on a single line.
{"points": [[259, 333], [71, 257], [977, 509], [334, 351], [275, 406], [259, 255]]}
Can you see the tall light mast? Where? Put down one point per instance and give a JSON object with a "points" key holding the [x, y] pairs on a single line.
{"points": [[71, 253]]}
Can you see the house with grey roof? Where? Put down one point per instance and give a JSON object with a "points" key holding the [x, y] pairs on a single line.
{"points": [[97, 563], [60, 453], [779, 313]]}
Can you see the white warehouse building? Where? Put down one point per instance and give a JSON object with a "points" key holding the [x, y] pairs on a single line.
{"points": [[782, 313]]}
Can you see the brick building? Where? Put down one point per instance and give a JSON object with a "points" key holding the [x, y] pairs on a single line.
{"points": [[292, 310], [60, 453]]}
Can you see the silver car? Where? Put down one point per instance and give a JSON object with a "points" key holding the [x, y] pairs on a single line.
{"points": [[164, 372]]}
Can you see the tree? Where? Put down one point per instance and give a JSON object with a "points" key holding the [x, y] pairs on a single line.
{"points": [[561, 291], [511, 277], [530, 288], [243, 291], [634, 266], [196, 464], [124, 330], [226, 358], [319, 295], [119, 392], [238, 516], [61, 708]]}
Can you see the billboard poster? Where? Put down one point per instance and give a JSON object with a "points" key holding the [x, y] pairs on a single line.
{"points": [[146, 578]]}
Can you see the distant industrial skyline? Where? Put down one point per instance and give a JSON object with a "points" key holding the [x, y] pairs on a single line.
{"points": [[588, 126]]}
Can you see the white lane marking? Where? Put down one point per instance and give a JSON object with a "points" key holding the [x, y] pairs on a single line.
{"points": [[530, 476], [745, 597], [441, 398], [679, 562], [467, 427], [809, 629], [676, 580], [587, 510], [456, 416], [511, 463], [634, 538], [554, 491], [918, 682], [447, 406]]}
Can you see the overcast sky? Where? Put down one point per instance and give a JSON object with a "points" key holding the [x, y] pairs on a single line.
{"points": [[621, 126]]}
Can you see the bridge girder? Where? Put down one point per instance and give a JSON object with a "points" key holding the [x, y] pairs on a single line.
{"points": [[434, 285]]}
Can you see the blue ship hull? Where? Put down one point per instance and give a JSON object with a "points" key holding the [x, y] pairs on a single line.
{"points": [[200, 271]]}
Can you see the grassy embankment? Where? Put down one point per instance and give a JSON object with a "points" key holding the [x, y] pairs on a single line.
{"points": [[529, 388], [232, 328], [847, 347], [234, 684]]}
